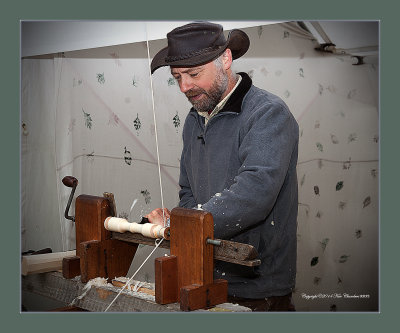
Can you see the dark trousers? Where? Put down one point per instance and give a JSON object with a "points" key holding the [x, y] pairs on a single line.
{"points": [[273, 303]]}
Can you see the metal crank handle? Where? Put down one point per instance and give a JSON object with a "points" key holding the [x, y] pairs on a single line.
{"points": [[70, 181]]}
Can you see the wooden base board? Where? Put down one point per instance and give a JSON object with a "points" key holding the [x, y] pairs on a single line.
{"points": [[196, 297]]}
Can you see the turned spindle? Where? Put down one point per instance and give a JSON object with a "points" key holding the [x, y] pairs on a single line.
{"points": [[147, 229]]}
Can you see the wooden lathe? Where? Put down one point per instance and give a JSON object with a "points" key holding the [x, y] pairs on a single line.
{"points": [[105, 249]]}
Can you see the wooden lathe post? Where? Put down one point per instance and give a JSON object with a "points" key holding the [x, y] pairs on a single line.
{"points": [[97, 255], [187, 274]]}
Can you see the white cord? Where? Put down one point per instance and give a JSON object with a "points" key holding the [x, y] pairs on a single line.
{"points": [[155, 125], [60, 210], [159, 173], [122, 289]]}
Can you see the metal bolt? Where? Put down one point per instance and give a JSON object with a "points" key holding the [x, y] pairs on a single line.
{"points": [[213, 242]]}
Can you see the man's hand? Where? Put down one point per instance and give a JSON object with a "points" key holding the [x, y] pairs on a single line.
{"points": [[157, 216]]}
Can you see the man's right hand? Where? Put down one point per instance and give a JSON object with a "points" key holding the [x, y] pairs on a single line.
{"points": [[157, 216]]}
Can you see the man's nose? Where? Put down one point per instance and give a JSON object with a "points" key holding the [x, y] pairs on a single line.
{"points": [[185, 84]]}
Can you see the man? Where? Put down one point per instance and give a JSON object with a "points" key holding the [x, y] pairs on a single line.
{"points": [[238, 162]]}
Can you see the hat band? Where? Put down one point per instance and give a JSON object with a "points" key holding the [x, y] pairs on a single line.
{"points": [[191, 54]]}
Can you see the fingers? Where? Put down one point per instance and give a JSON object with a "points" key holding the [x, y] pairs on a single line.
{"points": [[158, 215], [167, 213]]}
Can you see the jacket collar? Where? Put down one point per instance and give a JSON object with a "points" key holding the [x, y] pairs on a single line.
{"points": [[234, 103]]}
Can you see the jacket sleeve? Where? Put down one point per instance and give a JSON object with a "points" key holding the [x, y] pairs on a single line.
{"points": [[268, 139], [186, 198]]}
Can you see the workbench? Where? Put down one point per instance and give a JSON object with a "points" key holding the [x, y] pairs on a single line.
{"points": [[99, 294]]}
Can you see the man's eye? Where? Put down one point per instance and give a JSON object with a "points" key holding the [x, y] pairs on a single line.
{"points": [[194, 74]]}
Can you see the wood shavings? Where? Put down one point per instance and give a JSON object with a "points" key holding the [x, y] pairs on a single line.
{"points": [[96, 282]]}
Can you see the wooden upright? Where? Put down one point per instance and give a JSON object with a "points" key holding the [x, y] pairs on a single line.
{"points": [[97, 255], [188, 272]]}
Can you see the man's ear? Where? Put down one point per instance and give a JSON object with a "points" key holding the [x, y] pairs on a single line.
{"points": [[227, 59]]}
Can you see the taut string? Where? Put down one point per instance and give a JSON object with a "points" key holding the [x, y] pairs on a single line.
{"points": [[159, 172]]}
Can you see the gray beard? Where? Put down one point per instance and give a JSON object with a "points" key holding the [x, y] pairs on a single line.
{"points": [[211, 98]]}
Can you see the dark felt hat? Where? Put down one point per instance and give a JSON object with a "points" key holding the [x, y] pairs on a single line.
{"points": [[198, 43]]}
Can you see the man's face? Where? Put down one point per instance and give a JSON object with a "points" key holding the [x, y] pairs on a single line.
{"points": [[204, 86]]}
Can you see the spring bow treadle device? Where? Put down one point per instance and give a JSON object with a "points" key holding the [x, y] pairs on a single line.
{"points": [[106, 245]]}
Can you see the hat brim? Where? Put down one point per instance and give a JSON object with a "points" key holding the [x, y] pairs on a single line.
{"points": [[238, 42]]}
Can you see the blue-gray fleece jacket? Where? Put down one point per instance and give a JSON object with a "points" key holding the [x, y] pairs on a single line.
{"points": [[241, 167]]}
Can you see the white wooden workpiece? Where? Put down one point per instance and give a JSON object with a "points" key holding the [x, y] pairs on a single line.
{"points": [[41, 263]]}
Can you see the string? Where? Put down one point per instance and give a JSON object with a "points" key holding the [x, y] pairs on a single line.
{"points": [[122, 289], [159, 172], [155, 125], [62, 221]]}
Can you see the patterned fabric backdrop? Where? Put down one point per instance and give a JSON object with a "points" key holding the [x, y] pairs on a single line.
{"points": [[89, 114]]}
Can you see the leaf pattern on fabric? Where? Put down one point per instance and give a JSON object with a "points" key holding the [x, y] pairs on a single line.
{"points": [[334, 139], [320, 164], [352, 93], [352, 137], [171, 81], [88, 119], [134, 81], [301, 72], [319, 214], [320, 146], [302, 180], [343, 258], [342, 205], [324, 243], [90, 157], [374, 173], [123, 215], [366, 201], [314, 261], [316, 190], [358, 233], [317, 280], [100, 78], [286, 34], [137, 123], [339, 185], [347, 165], [176, 121], [127, 157], [146, 195]]}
